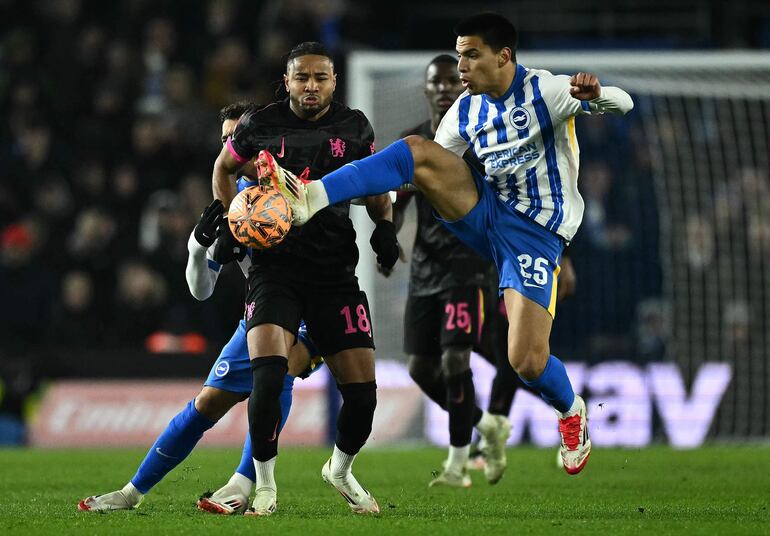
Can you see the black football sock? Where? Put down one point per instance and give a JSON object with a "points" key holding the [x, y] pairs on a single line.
{"points": [[265, 405], [461, 401], [504, 388], [354, 423], [435, 387]]}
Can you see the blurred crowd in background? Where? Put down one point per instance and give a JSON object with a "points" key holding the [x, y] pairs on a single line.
{"points": [[108, 132]]}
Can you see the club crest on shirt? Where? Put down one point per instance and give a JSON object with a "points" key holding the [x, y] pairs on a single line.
{"points": [[222, 369], [337, 147], [519, 118]]}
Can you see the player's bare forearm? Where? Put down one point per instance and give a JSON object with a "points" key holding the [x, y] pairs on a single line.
{"points": [[586, 87], [379, 207], [222, 180], [399, 208]]}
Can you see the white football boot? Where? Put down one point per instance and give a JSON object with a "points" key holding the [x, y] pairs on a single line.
{"points": [[227, 500], [265, 502], [452, 479], [575, 443], [358, 498], [126, 498], [493, 447]]}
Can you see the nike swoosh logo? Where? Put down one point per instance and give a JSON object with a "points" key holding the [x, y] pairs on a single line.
{"points": [[275, 432], [280, 155], [157, 449], [526, 284]]}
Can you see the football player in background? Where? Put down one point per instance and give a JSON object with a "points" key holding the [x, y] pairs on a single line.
{"points": [[447, 310]]}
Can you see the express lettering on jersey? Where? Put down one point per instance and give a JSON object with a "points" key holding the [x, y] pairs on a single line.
{"points": [[512, 156]]}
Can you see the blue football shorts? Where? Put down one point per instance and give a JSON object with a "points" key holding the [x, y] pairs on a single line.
{"points": [[232, 369], [527, 255]]}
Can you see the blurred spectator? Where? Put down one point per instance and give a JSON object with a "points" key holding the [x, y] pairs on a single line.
{"points": [[700, 243], [138, 307], [25, 286], [159, 47], [77, 322], [653, 330]]}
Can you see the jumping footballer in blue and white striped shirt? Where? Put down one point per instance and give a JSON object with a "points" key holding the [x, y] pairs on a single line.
{"points": [[521, 212]]}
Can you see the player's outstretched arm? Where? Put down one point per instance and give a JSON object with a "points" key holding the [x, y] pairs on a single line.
{"points": [[222, 180], [202, 272], [586, 87]]}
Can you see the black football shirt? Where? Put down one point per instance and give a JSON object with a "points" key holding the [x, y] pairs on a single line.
{"points": [[310, 149]]}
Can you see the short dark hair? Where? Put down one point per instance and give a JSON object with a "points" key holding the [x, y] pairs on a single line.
{"points": [[494, 29], [441, 59], [306, 49], [235, 110]]}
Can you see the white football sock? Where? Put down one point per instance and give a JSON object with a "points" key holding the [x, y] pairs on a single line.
{"points": [[265, 473], [458, 457], [341, 462]]}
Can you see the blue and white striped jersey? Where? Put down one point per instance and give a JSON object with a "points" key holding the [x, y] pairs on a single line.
{"points": [[526, 141]]}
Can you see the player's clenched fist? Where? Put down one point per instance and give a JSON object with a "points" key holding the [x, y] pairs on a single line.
{"points": [[585, 86]]}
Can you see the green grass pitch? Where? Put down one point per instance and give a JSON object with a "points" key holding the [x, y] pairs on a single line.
{"points": [[713, 490]]}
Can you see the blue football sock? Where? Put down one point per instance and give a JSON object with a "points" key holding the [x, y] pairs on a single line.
{"points": [[554, 385], [172, 446], [286, 394], [246, 467], [387, 170]]}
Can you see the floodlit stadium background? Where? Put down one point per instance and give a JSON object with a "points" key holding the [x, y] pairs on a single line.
{"points": [[108, 133]]}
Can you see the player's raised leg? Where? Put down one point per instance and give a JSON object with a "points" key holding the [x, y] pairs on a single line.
{"points": [[529, 354], [440, 174]]}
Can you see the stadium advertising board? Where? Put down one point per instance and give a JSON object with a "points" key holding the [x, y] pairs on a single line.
{"points": [[623, 401]]}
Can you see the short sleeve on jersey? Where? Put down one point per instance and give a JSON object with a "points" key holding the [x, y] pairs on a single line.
{"points": [[367, 136], [451, 133], [238, 144]]}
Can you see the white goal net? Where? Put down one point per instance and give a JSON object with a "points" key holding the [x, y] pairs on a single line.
{"points": [[673, 256]]}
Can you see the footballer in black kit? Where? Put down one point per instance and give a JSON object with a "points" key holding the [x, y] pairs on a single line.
{"points": [[311, 274], [451, 309]]}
